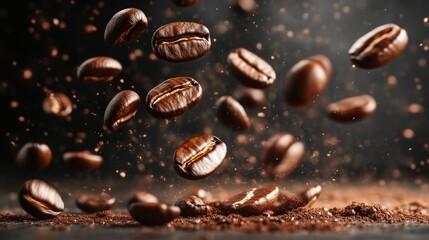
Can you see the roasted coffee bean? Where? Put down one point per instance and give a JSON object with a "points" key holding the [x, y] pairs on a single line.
{"points": [[34, 157], [93, 204], [125, 26], [84, 160], [252, 202], [185, 3], [310, 195], [199, 157], [152, 214], [352, 109], [281, 155], [98, 70], [121, 109], [181, 41], [251, 70], [288, 201], [250, 97], [173, 97], [246, 5], [201, 193], [143, 197], [306, 80], [57, 104], [379, 46], [40, 200], [231, 114], [192, 206]]}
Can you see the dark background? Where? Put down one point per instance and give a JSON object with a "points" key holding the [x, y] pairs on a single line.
{"points": [[51, 39]]}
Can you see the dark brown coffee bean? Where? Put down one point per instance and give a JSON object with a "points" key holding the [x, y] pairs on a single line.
{"points": [[306, 80], [250, 97], [310, 195], [281, 155], [252, 202], [34, 157], [379, 46], [121, 109], [352, 109], [125, 26], [199, 157], [93, 204], [142, 197], [246, 5], [173, 97], [288, 201], [185, 3], [251, 70], [181, 41], [84, 160], [192, 206], [57, 104], [98, 70], [40, 200], [231, 114], [152, 214]]}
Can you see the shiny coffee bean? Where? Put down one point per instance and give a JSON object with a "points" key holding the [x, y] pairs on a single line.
{"points": [[125, 26], [40, 200], [306, 80], [252, 202], [185, 3], [173, 97], [288, 201], [57, 104], [152, 214], [199, 157], [121, 109], [192, 206], [246, 5], [93, 204], [231, 114], [250, 97], [352, 109], [34, 157], [82, 161], [98, 70], [143, 197], [379, 46], [251, 70], [310, 195], [281, 155], [181, 41]]}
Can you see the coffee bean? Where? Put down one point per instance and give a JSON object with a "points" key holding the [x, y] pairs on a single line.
{"points": [[181, 41], [84, 160], [251, 70], [352, 109], [199, 157], [185, 3], [58, 104], [192, 206], [40, 200], [379, 46], [93, 204], [152, 214], [246, 6], [34, 157], [125, 26], [288, 201], [121, 109], [250, 97], [98, 70], [142, 197], [201, 193], [231, 114], [281, 155], [173, 97], [252, 202], [310, 195], [306, 80]]}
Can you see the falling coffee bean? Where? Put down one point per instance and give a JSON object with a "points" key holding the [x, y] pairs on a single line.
{"points": [[34, 157], [288, 201], [181, 41], [58, 104], [40, 200], [252, 202], [121, 109], [250, 97], [84, 160], [251, 70], [185, 3], [93, 204], [199, 157], [231, 114], [152, 214], [125, 26], [98, 70], [173, 97], [379, 46], [281, 155], [192, 206], [352, 109], [143, 197]]}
